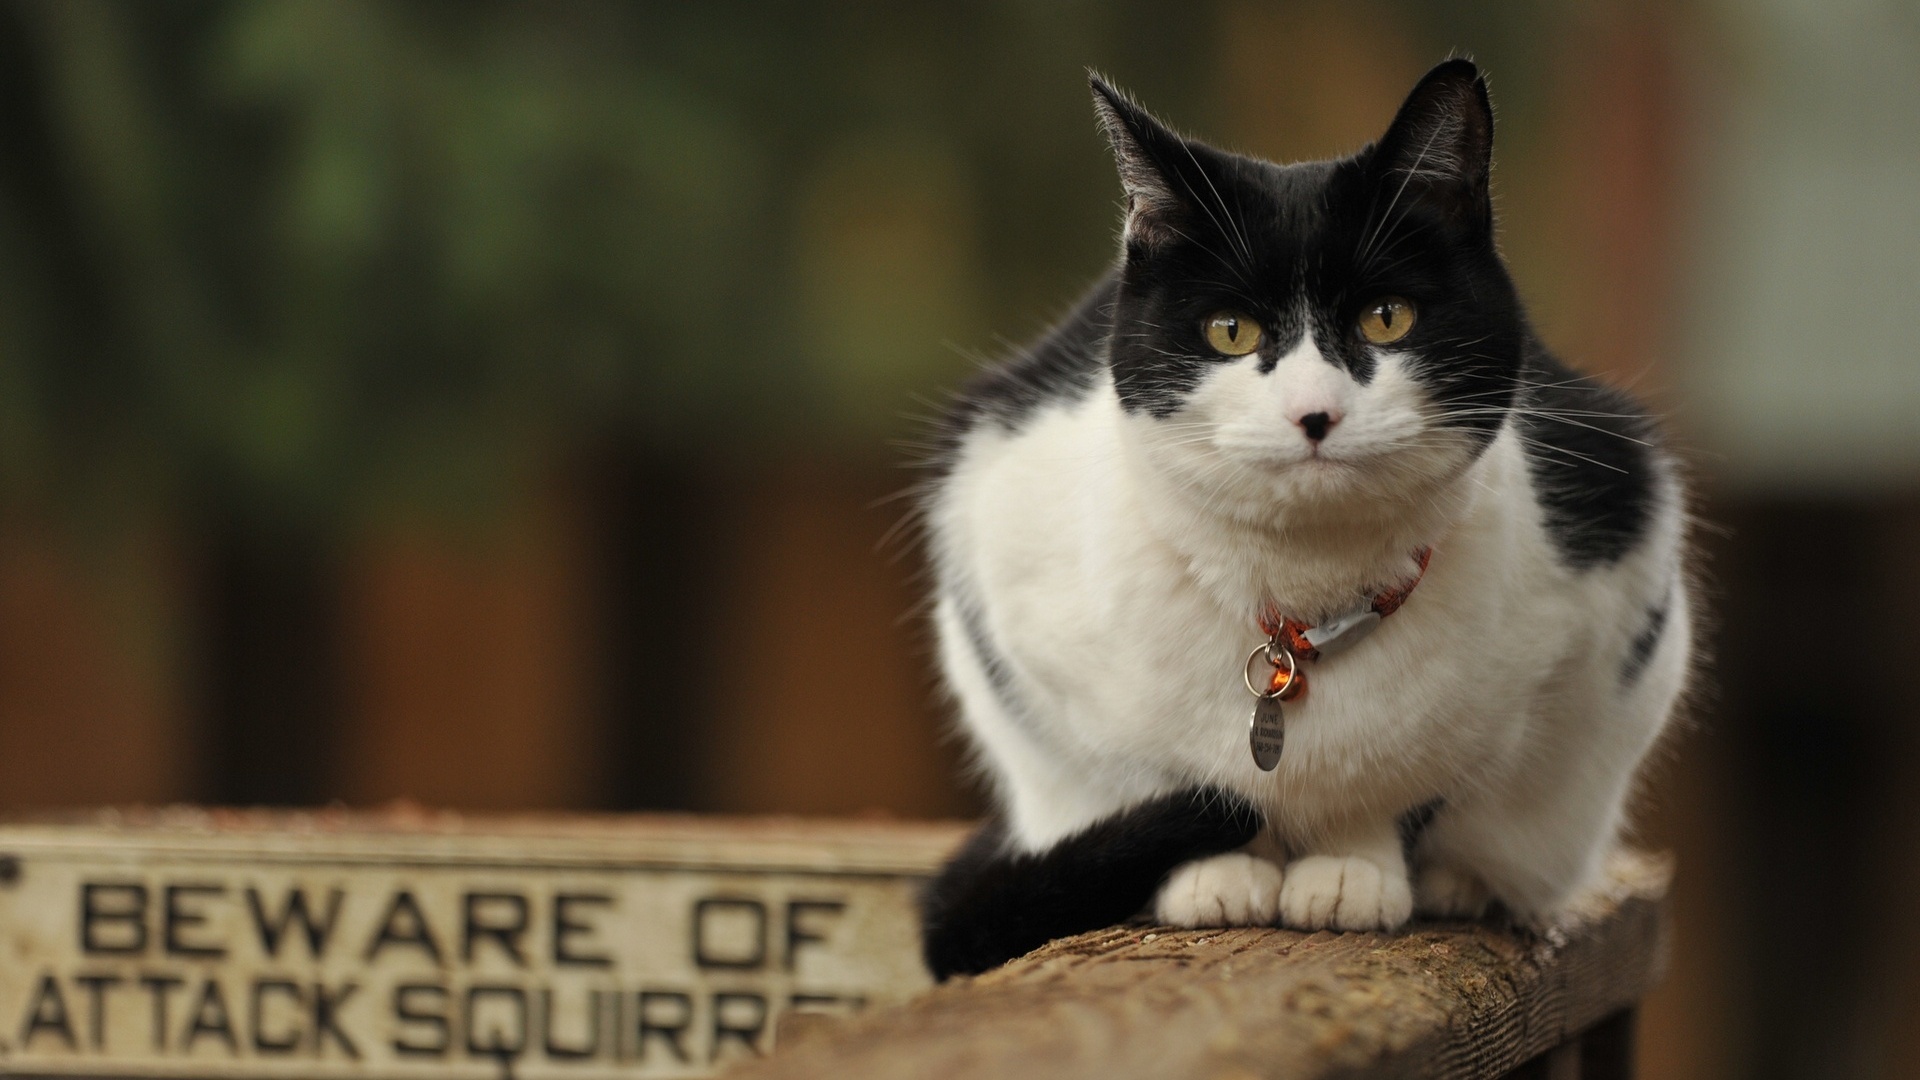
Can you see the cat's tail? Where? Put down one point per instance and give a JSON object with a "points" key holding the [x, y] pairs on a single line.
{"points": [[989, 904]]}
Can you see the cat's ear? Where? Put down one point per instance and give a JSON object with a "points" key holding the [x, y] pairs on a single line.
{"points": [[1439, 148], [1150, 157]]}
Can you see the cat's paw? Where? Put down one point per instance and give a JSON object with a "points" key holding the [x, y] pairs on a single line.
{"points": [[1225, 890], [1344, 892], [1444, 892]]}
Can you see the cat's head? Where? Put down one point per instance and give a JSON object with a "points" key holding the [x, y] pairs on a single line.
{"points": [[1325, 333]]}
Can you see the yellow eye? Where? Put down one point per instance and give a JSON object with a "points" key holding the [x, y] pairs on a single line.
{"points": [[1232, 333], [1386, 320]]}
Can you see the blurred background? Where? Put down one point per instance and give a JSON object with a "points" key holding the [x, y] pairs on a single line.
{"points": [[503, 405]]}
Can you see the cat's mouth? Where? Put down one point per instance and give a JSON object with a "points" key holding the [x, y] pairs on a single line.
{"points": [[1321, 468], [1314, 461]]}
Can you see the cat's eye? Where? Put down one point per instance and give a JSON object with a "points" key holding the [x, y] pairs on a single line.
{"points": [[1386, 320], [1232, 334]]}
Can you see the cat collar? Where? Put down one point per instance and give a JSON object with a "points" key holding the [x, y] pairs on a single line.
{"points": [[1289, 641]]}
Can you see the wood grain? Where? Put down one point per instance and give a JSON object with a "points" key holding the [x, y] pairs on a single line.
{"points": [[1438, 1000]]}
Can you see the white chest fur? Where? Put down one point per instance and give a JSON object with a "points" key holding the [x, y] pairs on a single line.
{"points": [[1094, 628]]}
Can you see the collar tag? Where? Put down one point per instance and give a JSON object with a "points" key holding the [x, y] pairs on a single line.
{"points": [[1289, 642], [1342, 632]]}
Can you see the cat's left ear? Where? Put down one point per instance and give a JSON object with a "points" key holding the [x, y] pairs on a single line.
{"points": [[1439, 149]]}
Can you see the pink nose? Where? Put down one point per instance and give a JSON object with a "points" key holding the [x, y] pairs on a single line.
{"points": [[1317, 424]]}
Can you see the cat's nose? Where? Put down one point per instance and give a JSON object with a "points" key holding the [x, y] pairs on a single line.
{"points": [[1317, 424]]}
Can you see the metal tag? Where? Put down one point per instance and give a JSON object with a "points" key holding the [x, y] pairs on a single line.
{"points": [[1342, 633], [1267, 732]]}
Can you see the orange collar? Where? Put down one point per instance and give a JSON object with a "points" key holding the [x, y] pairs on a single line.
{"points": [[1341, 631]]}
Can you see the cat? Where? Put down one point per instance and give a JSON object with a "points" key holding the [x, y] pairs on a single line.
{"points": [[1307, 399]]}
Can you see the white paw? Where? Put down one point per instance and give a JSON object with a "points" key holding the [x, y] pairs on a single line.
{"points": [[1344, 892], [1225, 890], [1446, 893]]}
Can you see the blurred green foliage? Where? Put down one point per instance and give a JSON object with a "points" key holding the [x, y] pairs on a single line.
{"points": [[323, 256], [317, 258]]}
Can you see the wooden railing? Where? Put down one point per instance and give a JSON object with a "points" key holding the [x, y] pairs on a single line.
{"points": [[1438, 1000]]}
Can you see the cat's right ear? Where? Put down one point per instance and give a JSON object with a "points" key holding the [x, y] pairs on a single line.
{"points": [[1440, 147], [1149, 156]]}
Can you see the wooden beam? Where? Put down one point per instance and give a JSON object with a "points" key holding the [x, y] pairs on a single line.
{"points": [[1439, 1000]]}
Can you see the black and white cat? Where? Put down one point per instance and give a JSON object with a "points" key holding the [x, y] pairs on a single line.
{"points": [[1301, 385]]}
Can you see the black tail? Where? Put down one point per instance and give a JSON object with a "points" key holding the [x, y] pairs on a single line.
{"points": [[989, 905]]}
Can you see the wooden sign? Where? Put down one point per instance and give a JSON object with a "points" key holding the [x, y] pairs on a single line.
{"points": [[206, 944]]}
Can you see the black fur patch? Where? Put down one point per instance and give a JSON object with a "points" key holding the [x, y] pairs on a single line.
{"points": [[991, 662], [984, 653], [1413, 825], [1061, 366], [1640, 653], [1589, 454], [988, 905]]}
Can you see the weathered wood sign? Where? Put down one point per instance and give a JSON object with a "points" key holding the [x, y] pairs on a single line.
{"points": [[201, 944]]}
